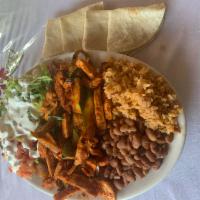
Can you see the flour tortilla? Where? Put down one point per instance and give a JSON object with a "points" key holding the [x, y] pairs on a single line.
{"points": [[53, 42], [130, 28], [72, 27], [66, 33], [119, 30], [96, 30]]}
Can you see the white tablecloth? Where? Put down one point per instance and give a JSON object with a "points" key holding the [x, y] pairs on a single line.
{"points": [[175, 52]]}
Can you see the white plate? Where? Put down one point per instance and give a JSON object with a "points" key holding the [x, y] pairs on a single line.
{"points": [[154, 177]]}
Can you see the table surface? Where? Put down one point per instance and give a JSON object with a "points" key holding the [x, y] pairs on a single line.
{"points": [[175, 52]]}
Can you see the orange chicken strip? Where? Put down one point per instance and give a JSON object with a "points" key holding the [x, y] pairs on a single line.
{"points": [[86, 67]]}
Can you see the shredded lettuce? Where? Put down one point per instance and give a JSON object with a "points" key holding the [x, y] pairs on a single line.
{"points": [[34, 93], [39, 86], [13, 88]]}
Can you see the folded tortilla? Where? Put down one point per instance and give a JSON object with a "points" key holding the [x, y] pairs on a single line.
{"points": [[96, 30], [91, 28], [53, 42], [65, 34], [131, 28], [72, 27]]}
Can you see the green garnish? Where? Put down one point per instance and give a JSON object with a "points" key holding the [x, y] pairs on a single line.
{"points": [[33, 93], [39, 86], [13, 88]]}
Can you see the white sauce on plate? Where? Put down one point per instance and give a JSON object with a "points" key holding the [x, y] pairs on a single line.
{"points": [[16, 123]]}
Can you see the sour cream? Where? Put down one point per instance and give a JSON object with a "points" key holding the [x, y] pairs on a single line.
{"points": [[14, 124]]}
